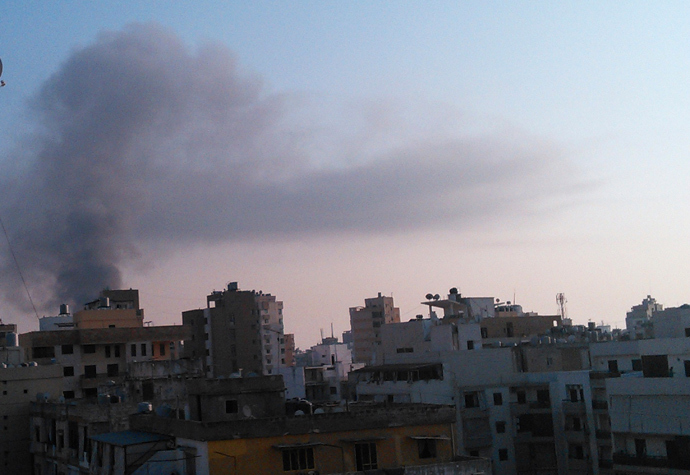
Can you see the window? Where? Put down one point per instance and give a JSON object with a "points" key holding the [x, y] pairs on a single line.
{"points": [[503, 454], [687, 332], [68, 394], [43, 352], [107, 351], [73, 435], [543, 397], [231, 406], [500, 427], [471, 400], [88, 349], [117, 351], [521, 397], [298, 459], [687, 367], [162, 349], [426, 448], [134, 350], [637, 365], [67, 349], [576, 451], [365, 456], [143, 349], [470, 345], [68, 371], [90, 371], [90, 392], [613, 366], [113, 369], [498, 399], [485, 332], [640, 447]]}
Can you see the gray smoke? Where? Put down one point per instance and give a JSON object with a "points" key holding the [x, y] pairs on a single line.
{"points": [[140, 140]]}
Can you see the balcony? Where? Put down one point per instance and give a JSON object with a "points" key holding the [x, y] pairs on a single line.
{"points": [[598, 404], [648, 461], [570, 407]]}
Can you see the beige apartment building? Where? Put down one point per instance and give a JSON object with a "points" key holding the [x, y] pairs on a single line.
{"points": [[19, 384], [365, 323]]}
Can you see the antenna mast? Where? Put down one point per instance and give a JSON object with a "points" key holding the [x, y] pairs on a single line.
{"points": [[561, 301]]}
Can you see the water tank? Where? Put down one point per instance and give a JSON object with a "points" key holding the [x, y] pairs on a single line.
{"points": [[64, 309], [12, 339]]}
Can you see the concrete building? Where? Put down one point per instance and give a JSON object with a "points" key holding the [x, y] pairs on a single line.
{"points": [[239, 331], [365, 324], [672, 322], [121, 309], [638, 319], [290, 349], [524, 422], [650, 422], [511, 327], [233, 399], [425, 335], [90, 357], [407, 439], [19, 385]]}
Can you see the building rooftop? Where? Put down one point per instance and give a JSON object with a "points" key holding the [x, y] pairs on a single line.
{"points": [[353, 418], [129, 437]]}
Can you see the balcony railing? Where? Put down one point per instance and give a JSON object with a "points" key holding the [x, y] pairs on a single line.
{"points": [[600, 404], [648, 461]]}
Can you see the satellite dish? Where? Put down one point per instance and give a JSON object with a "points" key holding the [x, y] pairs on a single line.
{"points": [[247, 411], [429, 296], [437, 296]]}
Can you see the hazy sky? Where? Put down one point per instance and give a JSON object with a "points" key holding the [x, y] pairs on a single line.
{"points": [[327, 151]]}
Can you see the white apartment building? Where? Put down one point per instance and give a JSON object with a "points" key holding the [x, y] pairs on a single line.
{"points": [[524, 422]]}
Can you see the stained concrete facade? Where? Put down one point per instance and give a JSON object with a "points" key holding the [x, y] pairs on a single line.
{"points": [[239, 332], [365, 324]]}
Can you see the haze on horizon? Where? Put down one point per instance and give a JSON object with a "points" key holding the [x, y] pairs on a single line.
{"points": [[325, 152]]}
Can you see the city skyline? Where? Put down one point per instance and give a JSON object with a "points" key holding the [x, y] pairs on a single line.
{"points": [[326, 152]]}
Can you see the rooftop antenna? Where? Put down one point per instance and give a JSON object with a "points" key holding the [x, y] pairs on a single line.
{"points": [[561, 301]]}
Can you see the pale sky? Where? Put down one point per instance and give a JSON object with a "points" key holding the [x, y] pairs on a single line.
{"points": [[328, 151]]}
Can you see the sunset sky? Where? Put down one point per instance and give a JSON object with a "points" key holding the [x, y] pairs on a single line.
{"points": [[327, 151]]}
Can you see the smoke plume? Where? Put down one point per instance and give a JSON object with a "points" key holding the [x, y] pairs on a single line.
{"points": [[139, 139]]}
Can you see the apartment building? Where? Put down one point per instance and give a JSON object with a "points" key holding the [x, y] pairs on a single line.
{"points": [[239, 331], [407, 439], [524, 422], [19, 385], [365, 324]]}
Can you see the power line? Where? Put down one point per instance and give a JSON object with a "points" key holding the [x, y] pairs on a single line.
{"points": [[19, 270]]}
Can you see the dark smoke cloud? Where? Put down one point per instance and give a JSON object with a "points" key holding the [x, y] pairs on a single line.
{"points": [[139, 140]]}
